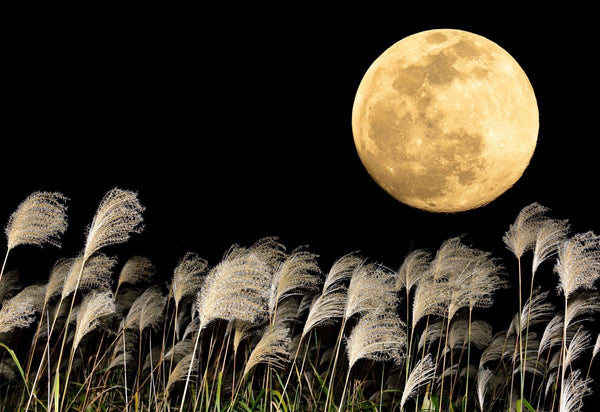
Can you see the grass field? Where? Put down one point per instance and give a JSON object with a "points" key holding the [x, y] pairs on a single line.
{"points": [[268, 328]]}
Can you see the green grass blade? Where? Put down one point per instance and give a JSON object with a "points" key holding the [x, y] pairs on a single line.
{"points": [[16, 361]]}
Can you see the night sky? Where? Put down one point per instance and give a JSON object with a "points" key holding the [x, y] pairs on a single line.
{"points": [[234, 123]]}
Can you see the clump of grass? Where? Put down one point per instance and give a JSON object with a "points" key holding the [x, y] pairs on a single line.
{"points": [[263, 328]]}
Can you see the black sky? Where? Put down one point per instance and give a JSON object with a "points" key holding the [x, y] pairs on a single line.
{"points": [[233, 123]]}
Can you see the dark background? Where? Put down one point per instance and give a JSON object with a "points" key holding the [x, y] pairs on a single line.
{"points": [[234, 123]]}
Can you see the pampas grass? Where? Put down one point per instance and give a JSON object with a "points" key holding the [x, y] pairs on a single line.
{"points": [[188, 277], [39, 220], [21, 310], [91, 311], [273, 348], [137, 269], [420, 375], [248, 319]]}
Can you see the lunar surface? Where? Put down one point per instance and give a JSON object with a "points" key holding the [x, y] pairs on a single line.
{"points": [[445, 120]]}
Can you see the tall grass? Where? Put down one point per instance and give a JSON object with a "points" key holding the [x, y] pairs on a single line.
{"points": [[267, 329]]}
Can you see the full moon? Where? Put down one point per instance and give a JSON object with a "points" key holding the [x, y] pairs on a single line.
{"points": [[445, 120]]}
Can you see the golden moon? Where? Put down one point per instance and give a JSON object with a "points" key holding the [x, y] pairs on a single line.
{"points": [[445, 120]]}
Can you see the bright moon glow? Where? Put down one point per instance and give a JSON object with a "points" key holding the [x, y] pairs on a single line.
{"points": [[445, 120]]}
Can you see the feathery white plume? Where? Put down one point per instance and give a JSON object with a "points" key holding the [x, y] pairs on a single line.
{"points": [[40, 219], [413, 267], [522, 234], [188, 276], [578, 263], [377, 336], [136, 269], [93, 308], [422, 373], [119, 214], [21, 310]]}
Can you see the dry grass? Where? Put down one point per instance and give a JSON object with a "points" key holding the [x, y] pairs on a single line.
{"points": [[263, 328]]}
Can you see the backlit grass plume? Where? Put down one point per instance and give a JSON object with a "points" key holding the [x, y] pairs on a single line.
{"points": [[297, 274], [9, 285], [573, 391], [371, 289], [21, 310], [522, 234], [238, 287], [377, 336], [137, 269], [421, 374], [412, 268], [40, 219], [331, 304], [578, 264], [95, 273], [188, 276], [273, 348], [118, 216], [93, 308], [147, 310]]}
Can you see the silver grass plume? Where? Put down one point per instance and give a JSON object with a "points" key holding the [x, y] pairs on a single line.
{"points": [[119, 214], [121, 359], [40, 219], [536, 310], [551, 233], [451, 258], [188, 276], [93, 308], [96, 274], [484, 376], [9, 285], [137, 269], [475, 284], [433, 332], [421, 374], [371, 289], [21, 310], [125, 298], [431, 298], [147, 310], [342, 269], [179, 351], [434, 292], [273, 348], [501, 347], [555, 361], [415, 264], [579, 344], [298, 274], [192, 327], [305, 303], [377, 336], [521, 235], [287, 311], [58, 275], [582, 304], [552, 335], [238, 287], [242, 331], [180, 371], [573, 391], [596, 347], [331, 304], [578, 263], [328, 307], [481, 334]]}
